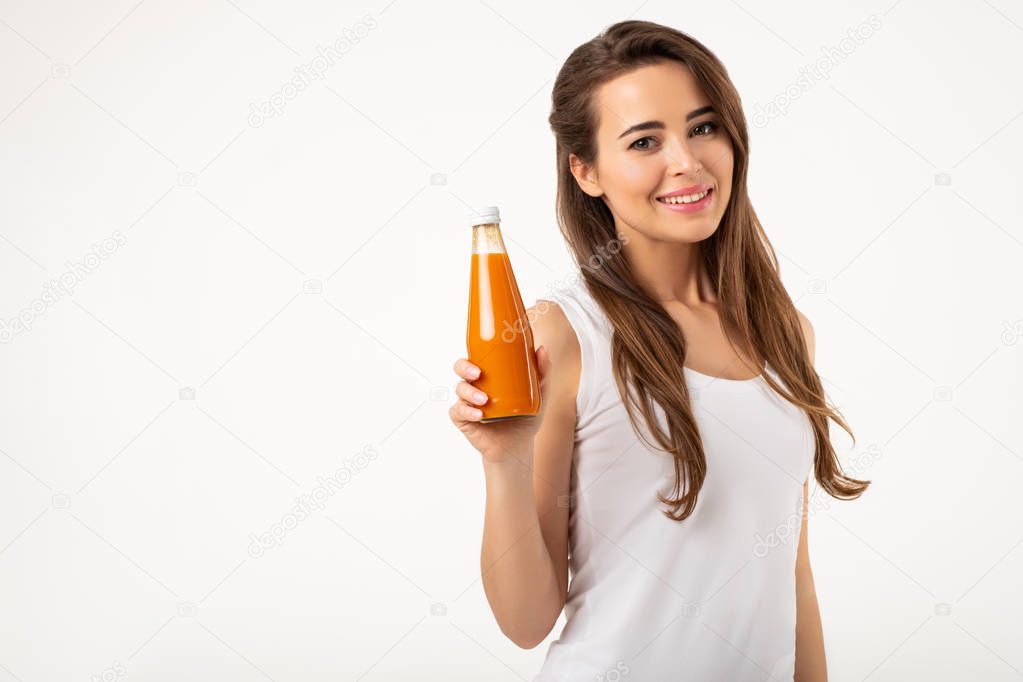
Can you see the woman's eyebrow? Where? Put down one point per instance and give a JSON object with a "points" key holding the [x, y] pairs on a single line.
{"points": [[650, 125]]}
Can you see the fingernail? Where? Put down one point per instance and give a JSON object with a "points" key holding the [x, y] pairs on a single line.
{"points": [[474, 372], [480, 396]]}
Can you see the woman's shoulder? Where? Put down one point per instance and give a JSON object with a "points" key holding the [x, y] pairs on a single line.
{"points": [[552, 329], [562, 316], [808, 334]]}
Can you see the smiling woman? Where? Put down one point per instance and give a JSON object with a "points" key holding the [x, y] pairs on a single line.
{"points": [[683, 415], [679, 162]]}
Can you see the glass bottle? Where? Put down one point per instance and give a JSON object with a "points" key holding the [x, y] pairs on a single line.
{"points": [[499, 337]]}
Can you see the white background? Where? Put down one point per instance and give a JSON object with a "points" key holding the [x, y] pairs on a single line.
{"points": [[127, 502]]}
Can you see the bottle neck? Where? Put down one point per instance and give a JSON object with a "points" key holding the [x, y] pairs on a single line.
{"points": [[486, 238]]}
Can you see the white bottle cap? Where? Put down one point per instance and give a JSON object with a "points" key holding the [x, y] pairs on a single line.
{"points": [[486, 215]]}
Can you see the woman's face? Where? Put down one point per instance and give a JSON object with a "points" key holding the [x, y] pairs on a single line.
{"points": [[656, 137]]}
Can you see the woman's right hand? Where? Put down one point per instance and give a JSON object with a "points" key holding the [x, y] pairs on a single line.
{"points": [[496, 441]]}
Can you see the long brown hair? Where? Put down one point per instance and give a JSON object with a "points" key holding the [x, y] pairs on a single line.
{"points": [[647, 346]]}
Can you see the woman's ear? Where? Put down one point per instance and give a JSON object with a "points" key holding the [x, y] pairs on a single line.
{"points": [[585, 176]]}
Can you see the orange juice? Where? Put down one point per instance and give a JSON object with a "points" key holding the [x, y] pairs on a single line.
{"points": [[499, 338]]}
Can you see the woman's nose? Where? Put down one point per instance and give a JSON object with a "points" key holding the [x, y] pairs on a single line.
{"points": [[680, 158]]}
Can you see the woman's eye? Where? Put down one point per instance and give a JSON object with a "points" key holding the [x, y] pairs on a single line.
{"points": [[641, 148], [713, 126], [643, 143]]}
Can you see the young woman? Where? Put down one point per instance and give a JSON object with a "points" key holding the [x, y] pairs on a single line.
{"points": [[681, 415]]}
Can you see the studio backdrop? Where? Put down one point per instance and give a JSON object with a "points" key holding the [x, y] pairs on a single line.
{"points": [[235, 247]]}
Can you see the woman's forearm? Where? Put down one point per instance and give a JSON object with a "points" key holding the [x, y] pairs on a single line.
{"points": [[519, 578], [811, 665]]}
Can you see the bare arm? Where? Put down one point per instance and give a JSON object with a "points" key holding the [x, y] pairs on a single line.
{"points": [[524, 557], [811, 664]]}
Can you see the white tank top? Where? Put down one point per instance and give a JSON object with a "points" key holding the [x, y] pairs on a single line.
{"points": [[709, 598]]}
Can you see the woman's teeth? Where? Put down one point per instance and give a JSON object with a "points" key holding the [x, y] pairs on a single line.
{"points": [[684, 199]]}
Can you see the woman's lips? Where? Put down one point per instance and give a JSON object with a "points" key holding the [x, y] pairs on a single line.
{"points": [[690, 208]]}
